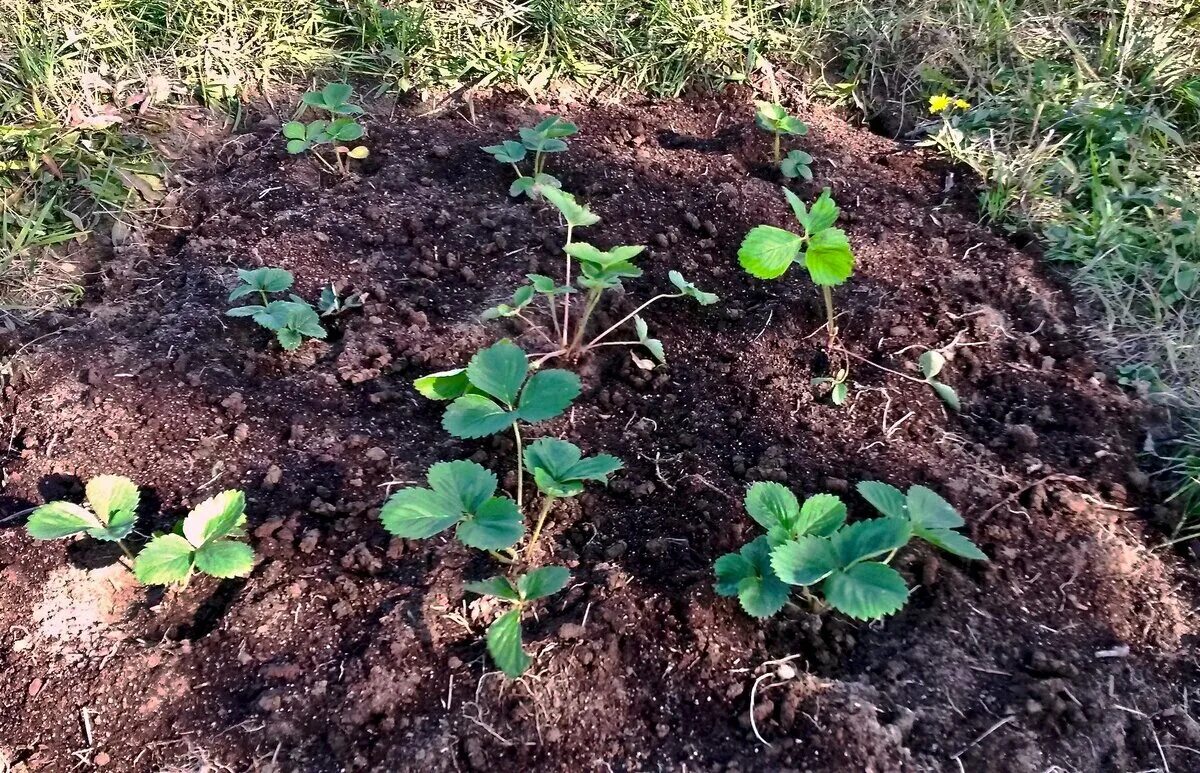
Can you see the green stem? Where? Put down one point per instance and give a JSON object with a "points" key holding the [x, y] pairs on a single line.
{"points": [[566, 320], [554, 314], [538, 160], [630, 316], [581, 325], [778, 158], [832, 323], [520, 466], [547, 503], [517, 169], [501, 558], [265, 299]]}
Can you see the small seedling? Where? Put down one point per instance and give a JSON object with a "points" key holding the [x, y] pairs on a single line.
{"points": [[335, 131], [546, 137], [599, 271], [839, 390], [812, 544], [797, 164], [772, 117], [205, 541], [931, 364], [559, 470], [504, 635], [110, 515], [333, 304], [460, 494], [767, 252], [291, 321], [263, 281]]}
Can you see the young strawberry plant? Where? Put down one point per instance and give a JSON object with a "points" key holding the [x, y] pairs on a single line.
{"points": [[335, 131], [291, 321], [559, 470], [839, 389], [599, 271], [811, 544], [110, 515], [504, 635], [205, 541], [772, 117], [797, 164], [545, 138]]}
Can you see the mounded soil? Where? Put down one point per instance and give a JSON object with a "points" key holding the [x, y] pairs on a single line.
{"points": [[348, 650]]}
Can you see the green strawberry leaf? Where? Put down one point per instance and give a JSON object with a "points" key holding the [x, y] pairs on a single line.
{"points": [[887, 499], [928, 510], [110, 495], [867, 539], [547, 394], [804, 561], [772, 504], [216, 517], [60, 519], [931, 363], [866, 591], [542, 582], [164, 560], [951, 542], [824, 213], [555, 127], [498, 586], [225, 559], [576, 214], [521, 185], [467, 483], [767, 252], [476, 416], [559, 469], [495, 525], [947, 394], [444, 385], [507, 152], [296, 146], [828, 258], [419, 513], [499, 371], [293, 130], [690, 290], [504, 644], [749, 576], [822, 514]]}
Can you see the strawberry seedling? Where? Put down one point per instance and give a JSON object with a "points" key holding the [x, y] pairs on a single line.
{"points": [[772, 117], [839, 389], [504, 635], [559, 470], [545, 138], [111, 512], [810, 544], [460, 494], [797, 164], [205, 541], [263, 281], [291, 321], [336, 131]]}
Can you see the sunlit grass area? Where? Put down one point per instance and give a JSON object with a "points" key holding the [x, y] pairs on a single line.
{"points": [[1084, 118]]}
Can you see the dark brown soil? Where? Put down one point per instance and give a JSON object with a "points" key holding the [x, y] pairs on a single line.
{"points": [[346, 650]]}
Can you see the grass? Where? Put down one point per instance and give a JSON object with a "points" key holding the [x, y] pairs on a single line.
{"points": [[1085, 125]]}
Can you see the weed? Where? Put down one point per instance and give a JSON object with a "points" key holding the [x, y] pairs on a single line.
{"points": [[205, 541], [110, 515], [504, 635], [810, 544], [545, 138], [772, 117]]}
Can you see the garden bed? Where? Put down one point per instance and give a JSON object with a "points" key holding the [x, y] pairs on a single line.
{"points": [[346, 649]]}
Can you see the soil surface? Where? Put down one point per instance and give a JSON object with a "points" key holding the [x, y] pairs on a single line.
{"points": [[1072, 649]]}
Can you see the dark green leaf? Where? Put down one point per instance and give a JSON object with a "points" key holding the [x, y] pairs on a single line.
{"points": [[419, 513], [542, 582], [951, 542], [59, 519], [497, 586], [508, 152], [804, 561], [495, 525], [822, 514], [504, 644], [749, 575], [867, 539], [927, 509], [772, 504], [469, 484], [866, 591], [225, 558], [474, 416], [521, 185], [547, 394], [499, 370], [887, 499], [690, 290], [947, 394]]}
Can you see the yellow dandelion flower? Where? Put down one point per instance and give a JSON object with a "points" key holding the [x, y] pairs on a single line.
{"points": [[962, 104], [939, 103]]}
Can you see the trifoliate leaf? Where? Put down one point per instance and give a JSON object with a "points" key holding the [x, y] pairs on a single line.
{"points": [[419, 513], [839, 393], [296, 146], [541, 143], [804, 561], [216, 517], [951, 542], [543, 180], [475, 416], [772, 504], [932, 363], [499, 371], [507, 152], [164, 560], [823, 214], [792, 125], [690, 290], [927, 509], [247, 311], [553, 487], [444, 385], [867, 539], [767, 251], [748, 574], [521, 185], [866, 591], [504, 644], [796, 164], [559, 468], [225, 558], [268, 280], [822, 514], [573, 212], [828, 257], [546, 286], [289, 339], [542, 582], [59, 519], [547, 394], [555, 127], [497, 586], [947, 394], [654, 345], [496, 524], [887, 499]]}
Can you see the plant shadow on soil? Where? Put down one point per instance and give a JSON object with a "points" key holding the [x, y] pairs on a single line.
{"points": [[346, 649]]}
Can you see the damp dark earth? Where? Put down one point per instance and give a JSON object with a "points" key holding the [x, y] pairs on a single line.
{"points": [[1071, 648]]}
